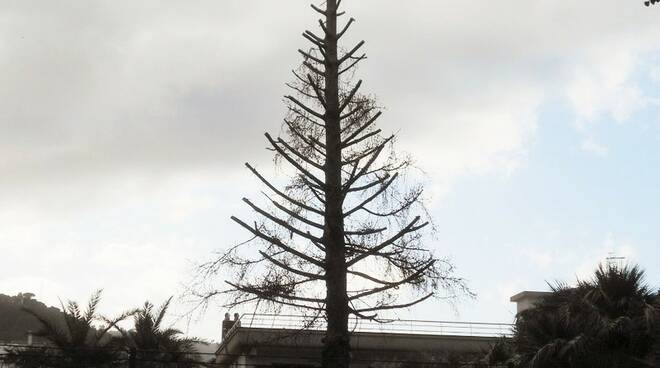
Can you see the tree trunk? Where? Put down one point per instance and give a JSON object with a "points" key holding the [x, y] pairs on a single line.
{"points": [[336, 348]]}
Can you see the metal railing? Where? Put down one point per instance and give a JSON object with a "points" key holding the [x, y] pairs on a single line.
{"points": [[420, 327]]}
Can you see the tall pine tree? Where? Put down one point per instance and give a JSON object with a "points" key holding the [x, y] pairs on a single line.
{"points": [[345, 236]]}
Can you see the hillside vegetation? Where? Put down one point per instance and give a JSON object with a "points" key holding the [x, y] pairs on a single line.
{"points": [[15, 322]]}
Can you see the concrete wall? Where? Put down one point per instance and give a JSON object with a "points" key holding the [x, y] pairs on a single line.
{"points": [[527, 299], [266, 347]]}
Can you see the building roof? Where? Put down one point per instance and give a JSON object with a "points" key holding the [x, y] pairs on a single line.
{"points": [[528, 295], [281, 331]]}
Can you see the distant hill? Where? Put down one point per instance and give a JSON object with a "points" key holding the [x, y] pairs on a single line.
{"points": [[15, 322]]}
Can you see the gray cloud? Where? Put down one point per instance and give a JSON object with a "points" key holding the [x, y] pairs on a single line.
{"points": [[96, 88]]}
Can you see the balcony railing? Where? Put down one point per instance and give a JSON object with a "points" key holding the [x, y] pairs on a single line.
{"points": [[420, 327]]}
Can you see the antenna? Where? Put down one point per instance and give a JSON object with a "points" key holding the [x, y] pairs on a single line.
{"points": [[613, 260]]}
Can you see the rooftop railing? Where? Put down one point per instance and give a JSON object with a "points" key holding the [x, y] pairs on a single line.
{"points": [[419, 327]]}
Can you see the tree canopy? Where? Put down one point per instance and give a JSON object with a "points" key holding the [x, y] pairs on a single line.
{"points": [[607, 321], [15, 322], [73, 340], [152, 344]]}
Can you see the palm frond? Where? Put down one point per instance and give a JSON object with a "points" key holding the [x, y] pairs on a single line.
{"points": [[111, 323], [161, 312], [545, 356], [49, 329], [92, 305]]}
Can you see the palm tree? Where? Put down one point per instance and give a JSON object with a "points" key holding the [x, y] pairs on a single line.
{"points": [[607, 321], [152, 344], [73, 340]]}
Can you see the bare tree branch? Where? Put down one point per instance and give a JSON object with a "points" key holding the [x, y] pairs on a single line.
{"points": [[299, 155], [271, 294], [353, 64], [364, 137], [354, 177], [295, 215], [348, 99], [313, 69], [364, 232], [361, 128], [410, 228], [369, 185], [304, 107], [350, 53], [320, 11], [319, 44], [282, 194], [310, 56], [294, 162], [291, 269], [348, 24], [371, 197], [281, 222], [317, 90], [392, 285], [395, 306], [279, 243]]}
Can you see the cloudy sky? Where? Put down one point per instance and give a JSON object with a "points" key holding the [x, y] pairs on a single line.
{"points": [[124, 126]]}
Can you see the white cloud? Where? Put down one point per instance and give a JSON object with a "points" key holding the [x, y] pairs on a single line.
{"points": [[454, 138], [594, 148], [540, 258], [603, 83]]}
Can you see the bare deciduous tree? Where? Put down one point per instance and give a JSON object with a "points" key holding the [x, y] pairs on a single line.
{"points": [[345, 236]]}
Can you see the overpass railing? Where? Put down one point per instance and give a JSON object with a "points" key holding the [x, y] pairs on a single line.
{"points": [[421, 327]]}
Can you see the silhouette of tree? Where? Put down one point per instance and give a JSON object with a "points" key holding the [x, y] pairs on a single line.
{"points": [[604, 322], [651, 2], [73, 340], [348, 216], [154, 345]]}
